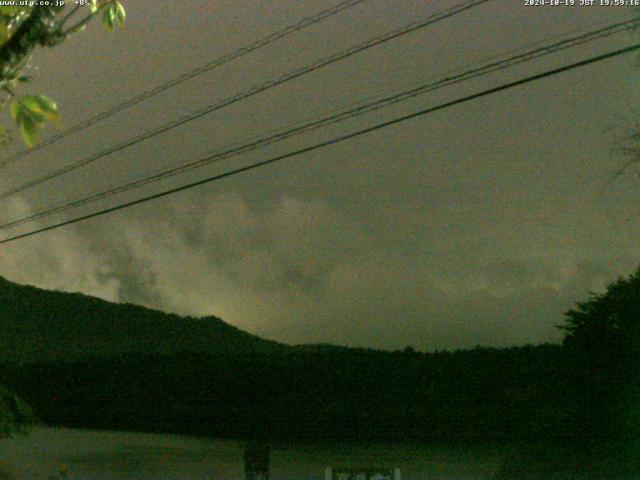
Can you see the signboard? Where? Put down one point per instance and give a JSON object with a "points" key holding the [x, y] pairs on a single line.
{"points": [[362, 474]]}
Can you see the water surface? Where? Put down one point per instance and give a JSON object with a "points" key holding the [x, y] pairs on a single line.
{"points": [[93, 455]]}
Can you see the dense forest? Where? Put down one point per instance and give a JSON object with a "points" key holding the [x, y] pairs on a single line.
{"points": [[483, 392]]}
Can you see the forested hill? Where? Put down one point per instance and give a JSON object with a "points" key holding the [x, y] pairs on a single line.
{"points": [[37, 324], [96, 364]]}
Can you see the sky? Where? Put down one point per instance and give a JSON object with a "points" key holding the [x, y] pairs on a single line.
{"points": [[476, 225]]}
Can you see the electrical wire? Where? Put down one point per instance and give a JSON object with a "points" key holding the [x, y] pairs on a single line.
{"points": [[240, 52], [333, 141], [413, 26], [334, 118]]}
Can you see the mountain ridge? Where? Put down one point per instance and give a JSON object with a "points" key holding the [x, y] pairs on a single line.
{"points": [[39, 324]]}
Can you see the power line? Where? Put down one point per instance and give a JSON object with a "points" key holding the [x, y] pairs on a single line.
{"points": [[334, 118], [333, 141], [240, 52], [373, 42], [628, 23]]}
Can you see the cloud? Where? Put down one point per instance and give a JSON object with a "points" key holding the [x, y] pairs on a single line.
{"points": [[301, 271], [59, 261]]}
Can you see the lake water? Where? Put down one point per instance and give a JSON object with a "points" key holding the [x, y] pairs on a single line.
{"points": [[93, 455]]}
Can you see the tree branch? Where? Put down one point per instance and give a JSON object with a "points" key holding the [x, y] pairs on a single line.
{"points": [[37, 29], [82, 23], [67, 17]]}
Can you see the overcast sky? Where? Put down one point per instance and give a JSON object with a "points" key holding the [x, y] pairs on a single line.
{"points": [[478, 224]]}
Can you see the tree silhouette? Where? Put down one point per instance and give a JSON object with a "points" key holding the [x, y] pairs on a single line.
{"points": [[603, 344]]}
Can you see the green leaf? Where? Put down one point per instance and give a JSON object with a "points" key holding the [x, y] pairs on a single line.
{"points": [[48, 107], [12, 10], [121, 14], [29, 130], [16, 109], [5, 33], [31, 112], [31, 108], [114, 15], [108, 18], [40, 107]]}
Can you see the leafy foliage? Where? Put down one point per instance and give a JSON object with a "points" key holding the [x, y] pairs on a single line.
{"points": [[22, 29], [30, 113], [113, 15], [11, 17], [610, 320], [603, 344]]}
